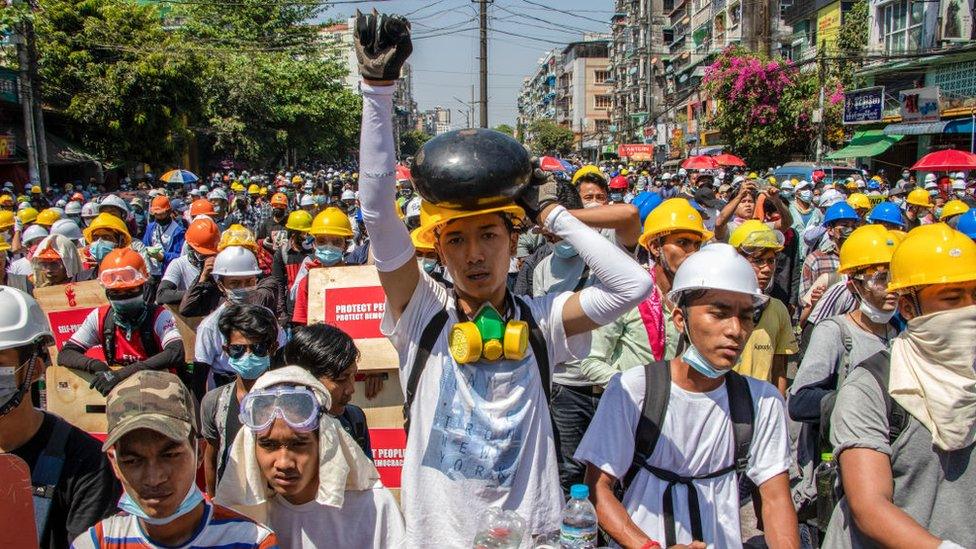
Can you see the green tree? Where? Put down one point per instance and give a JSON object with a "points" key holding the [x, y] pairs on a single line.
{"points": [[852, 41], [505, 128], [547, 137], [411, 141], [129, 89]]}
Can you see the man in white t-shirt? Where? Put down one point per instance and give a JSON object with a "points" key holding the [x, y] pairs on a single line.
{"points": [[480, 432], [715, 294]]}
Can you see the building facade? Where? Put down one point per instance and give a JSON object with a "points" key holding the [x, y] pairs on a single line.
{"points": [[537, 96], [583, 95]]}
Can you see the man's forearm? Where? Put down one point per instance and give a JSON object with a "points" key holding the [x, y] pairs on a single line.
{"points": [[611, 514], [779, 516]]}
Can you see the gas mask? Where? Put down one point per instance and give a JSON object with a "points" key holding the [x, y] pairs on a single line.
{"points": [[488, 337]]}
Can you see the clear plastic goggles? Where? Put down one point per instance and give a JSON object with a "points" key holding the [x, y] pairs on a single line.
{"points": [[297, 406], [122, 277]]}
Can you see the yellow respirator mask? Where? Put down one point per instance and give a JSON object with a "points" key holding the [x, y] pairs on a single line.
{"points": [[488, 336]]}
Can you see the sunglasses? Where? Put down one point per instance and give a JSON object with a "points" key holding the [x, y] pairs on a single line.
{"points": [[237, 350]]}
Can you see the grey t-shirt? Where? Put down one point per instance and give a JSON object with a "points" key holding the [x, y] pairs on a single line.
{"points": [[219, 413], [934, 487]]}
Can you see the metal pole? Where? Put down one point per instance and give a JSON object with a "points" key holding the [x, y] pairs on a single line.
{"points": [[483, 24], [27, 103], [41, 139], [821, 77]]}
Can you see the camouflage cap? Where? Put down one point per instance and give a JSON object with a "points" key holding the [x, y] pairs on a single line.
{"points": [[153, 400]]}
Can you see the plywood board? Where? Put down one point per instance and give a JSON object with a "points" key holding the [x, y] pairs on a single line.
{"points": [[187, 326], [16, 504]]}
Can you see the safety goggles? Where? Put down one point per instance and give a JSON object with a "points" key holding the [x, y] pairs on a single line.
{"points": [[121, 277], [237, 350], [878, 280], [297, 406]]}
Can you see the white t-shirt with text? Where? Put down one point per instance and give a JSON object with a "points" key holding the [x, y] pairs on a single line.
{"points": [[368, 518]]}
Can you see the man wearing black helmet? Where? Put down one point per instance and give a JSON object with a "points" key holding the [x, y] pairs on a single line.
{"points": [[480, 433]]}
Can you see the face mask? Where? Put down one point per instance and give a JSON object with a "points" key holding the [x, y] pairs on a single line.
{"points": [[905, 175], [786, 195], [805, 195], [564, 250], [320, 200], [616, 197], [938, 213], [589, 205], [193, 498], [237, 295], [100, 248], [278, 213], [429, 265], [328, 254], [131, 307], [874, 314], [250, 366], [845, 232], [8, 384], [218, 208], [959, 194], [897, 200], [695, 359]]}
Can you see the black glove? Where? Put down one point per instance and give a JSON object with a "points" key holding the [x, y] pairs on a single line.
{"points": [[103, 382], [540, 193], [382, 45], [95, 366]]}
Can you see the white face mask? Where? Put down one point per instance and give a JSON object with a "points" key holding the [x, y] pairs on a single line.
{"points": [[875, 314]]}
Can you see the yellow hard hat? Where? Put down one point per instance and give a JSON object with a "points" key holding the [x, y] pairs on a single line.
{"points": [[27, 215], [421, 246], [296, 179], [6, 219], [433, 217], [932, 254], [753, 175], [355, 175], [238, 235], [672, 215], [859, 201], [299, 220], [331, 222], [107, 221], [236, 186], [919, 197], [623, 172], [753, 233], [36, 189], [953, 207], [771, 179], [6, 200], [264, 191], [589, 169], [23, 198], [48, 217], [868, 245], [253, 189], [4, 245]]}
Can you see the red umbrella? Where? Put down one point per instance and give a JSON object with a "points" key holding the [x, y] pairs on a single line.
{"points": [[551, 164], [701, 162], [726, 159], [402, 172], [945, 161]]}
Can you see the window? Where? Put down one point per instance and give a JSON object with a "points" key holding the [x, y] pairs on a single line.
{"points": [[601, 76], [602, 101], [901, 25]]}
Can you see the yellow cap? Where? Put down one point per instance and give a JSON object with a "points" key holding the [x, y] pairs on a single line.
{"points": [[27, 215], [464, 341], [299, 220], [859, 201], [868, 245], [48, 217], [953, 207], [919, 197], [332, 222], [107, 221], [756, 234], [673, 215], [932, 254], [433, 217]]}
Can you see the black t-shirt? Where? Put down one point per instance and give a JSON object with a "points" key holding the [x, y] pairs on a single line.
{"points": [[87, 491]]}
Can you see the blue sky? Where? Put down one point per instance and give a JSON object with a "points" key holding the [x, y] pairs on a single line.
{"points": [[446, 45]]}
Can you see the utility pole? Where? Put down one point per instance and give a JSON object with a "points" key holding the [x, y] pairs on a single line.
{"points": [[821, 81], [27, 103], [483, 25], [38, 101]]}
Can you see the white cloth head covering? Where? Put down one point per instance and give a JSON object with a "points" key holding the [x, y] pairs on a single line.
{"points": [[65, 248], [342, 463]]}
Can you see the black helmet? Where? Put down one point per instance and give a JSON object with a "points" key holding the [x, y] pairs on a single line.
{"points": [[471, 169]]}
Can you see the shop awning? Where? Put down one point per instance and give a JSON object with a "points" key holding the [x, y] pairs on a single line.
{"points": [[960, 125], [917, 128], [865, 144]]}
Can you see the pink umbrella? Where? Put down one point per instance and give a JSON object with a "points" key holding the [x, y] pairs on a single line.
{"points": [[945, 161], [726, 159], [551, 164], [402, 172], [701, 162]]}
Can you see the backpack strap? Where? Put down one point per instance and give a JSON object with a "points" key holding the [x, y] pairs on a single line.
{"points": [[108, 334], [657, 391], [427, 339], [743, 417], [879, 366], [147, 333], [47, 472], [538, 344]]}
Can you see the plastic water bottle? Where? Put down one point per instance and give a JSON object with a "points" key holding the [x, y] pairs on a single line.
{"points": [[579, 524], [826, 477], [499, 530]]}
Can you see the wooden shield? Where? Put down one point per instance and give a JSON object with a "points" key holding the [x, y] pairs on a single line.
{"points": [[16, 505]]}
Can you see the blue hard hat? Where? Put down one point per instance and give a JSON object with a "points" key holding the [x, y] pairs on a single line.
{"points": [[645, 202], [839, 212], [873, 185], [887, 212], [966, 224]]}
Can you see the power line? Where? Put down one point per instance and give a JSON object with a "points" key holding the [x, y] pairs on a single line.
{"points": [[550, 8]]}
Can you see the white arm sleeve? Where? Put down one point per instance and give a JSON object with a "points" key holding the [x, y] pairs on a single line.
{"points": [[623, 283], [389, 239]]}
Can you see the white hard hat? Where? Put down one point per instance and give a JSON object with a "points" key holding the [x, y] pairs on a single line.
{"points": [[307, 200], [89, 210], [667, 175], [959, 185], [73, 208], [217, 194], [236, 261], [308, 186], [61, 203], [67, 228], [34, 232], [22, 321], [60, 211], [112, 200], [931, 185], [413, 207], [716, 267], [23, 206], [682, 172], [830, 197], [203, 188], [348, 194], [930, 177], [195, 192]]}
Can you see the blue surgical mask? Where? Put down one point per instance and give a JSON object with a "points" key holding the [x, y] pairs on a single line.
{"points": [[250, 365], [130, 307], [193, 498], [616, 197], [805, 195], [237, 295], [328, 254], [101, 248], [564, 250], [695, 359], [429, 265]]}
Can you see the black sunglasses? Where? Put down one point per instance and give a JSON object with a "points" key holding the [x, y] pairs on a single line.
{"points": [[237, 350]]}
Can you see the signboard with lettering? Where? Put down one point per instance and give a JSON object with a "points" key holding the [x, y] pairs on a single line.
{"points": [[388, 446], [636, 151], [8, 144], [8, 85], [864, 105], [828, 25], [920, 104]]}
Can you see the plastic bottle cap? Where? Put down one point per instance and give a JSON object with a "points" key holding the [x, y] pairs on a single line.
{"points": [[826, 456], [579, 491]]}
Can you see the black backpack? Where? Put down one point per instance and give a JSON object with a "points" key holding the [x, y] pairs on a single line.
{"points": [[433, 330], [147, 334], [657, 390]]}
